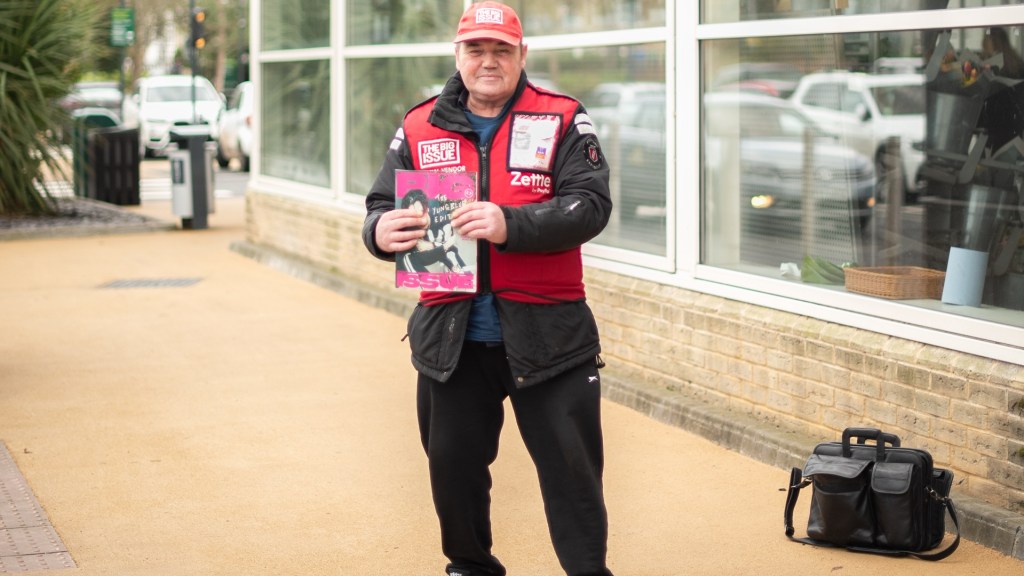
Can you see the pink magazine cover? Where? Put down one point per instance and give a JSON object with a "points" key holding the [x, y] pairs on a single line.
{"points": [[443, 261]]}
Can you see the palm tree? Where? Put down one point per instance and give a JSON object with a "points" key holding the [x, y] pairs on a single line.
{"points": [[42, 43]]}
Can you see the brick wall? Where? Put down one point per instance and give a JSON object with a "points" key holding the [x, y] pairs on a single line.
{"points": [[788, 371]]}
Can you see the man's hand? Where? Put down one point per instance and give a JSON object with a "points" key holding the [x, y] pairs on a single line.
{"points": [[400, 230], [481, 221]]}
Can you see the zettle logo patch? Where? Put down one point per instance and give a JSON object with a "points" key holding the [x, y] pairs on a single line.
{"points": [[441, 152]]}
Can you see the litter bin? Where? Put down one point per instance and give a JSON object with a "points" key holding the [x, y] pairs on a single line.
{"points": [[191, 176], [114, 166], [105, 157]]}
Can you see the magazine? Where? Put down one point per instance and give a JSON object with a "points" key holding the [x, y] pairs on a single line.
{"points": [[443, 261]]}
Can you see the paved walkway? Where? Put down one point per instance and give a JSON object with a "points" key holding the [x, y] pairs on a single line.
{"points": [[179, 409]]}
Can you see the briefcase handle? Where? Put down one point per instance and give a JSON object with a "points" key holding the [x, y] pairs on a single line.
{"points": [[863, 435]]}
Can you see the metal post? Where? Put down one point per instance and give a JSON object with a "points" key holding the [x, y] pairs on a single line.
{"points": [[808, 208], [192, 59], [120, 69], [892, 164]]}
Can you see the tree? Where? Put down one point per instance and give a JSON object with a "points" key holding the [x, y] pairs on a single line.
{"points": [[152, 18], [226, 35], [42, 46]]}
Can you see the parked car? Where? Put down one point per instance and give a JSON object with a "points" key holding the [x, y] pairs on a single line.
{"points": [[93, 95], [98, 98], [158, 103], [865, 110], [608, 102], [234, 129], [898, 65], [636, 152], [772, 78], [770, 136]]}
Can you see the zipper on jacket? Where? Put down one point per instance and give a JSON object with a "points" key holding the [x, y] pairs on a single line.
{"points": [[483, 248]]}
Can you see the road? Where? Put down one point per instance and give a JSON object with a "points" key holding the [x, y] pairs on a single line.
{"points": [[155, 184]]}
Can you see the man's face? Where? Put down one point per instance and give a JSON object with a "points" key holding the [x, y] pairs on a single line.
{"points": [[490, 70]]}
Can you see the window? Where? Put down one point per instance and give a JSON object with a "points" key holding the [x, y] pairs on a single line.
{"points": [[296, 121], [895, 149], [737, 10], [295, 24], [401, 21], [621, 84], [379, 92], [407, 21], [623, 90]]}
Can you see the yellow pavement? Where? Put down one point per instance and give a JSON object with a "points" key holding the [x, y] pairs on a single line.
{"points": [[251, 423]]}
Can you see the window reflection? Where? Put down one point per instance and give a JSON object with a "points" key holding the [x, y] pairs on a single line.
{"points": [[800, 189], [735, 10], [296, 121], [292, 24], [542, 17], [893, 149], [379, 92], [622, 88], [404, 21], [401, 21]]}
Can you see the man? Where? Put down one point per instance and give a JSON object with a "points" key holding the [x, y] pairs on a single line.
{"points": [[527, 334]]}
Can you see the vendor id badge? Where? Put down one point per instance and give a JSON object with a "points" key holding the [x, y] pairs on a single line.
{"points": [[533, 141]]}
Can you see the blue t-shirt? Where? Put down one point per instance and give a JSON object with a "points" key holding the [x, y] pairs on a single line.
{"points": [[484, 325]]}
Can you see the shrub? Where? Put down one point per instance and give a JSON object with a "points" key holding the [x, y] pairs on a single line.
{"points": [[42, 43]]}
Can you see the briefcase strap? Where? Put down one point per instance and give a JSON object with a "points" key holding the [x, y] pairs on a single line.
{"points": [[797, 482]]}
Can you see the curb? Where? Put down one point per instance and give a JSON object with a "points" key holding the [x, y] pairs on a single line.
{"points": [[118, 221], [980, 522]]}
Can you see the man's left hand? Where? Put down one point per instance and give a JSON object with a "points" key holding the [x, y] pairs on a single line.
{"points": [[481, 221]]}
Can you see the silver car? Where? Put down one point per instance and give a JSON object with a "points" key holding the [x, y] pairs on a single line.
{"points": [[772, 166], [234, 129]]}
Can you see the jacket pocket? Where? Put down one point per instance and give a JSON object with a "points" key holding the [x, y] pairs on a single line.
{"points": [[435, 337], [543, 340]]}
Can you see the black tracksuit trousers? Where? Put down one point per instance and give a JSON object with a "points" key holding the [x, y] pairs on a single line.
{"points": [[560, 423]]}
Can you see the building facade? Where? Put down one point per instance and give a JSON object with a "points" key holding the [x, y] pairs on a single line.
{"points": [[819, 212]]}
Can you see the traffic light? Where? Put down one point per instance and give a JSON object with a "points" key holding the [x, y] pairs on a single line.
{"points": [[197, 37]]}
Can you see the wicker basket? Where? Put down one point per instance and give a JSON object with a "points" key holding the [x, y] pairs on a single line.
{"points": [[896, 282]]}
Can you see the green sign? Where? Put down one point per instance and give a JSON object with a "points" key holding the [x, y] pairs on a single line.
{"points": [[122, 27]]}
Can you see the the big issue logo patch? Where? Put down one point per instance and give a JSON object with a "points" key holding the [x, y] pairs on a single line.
{"points": [[441, 152]]}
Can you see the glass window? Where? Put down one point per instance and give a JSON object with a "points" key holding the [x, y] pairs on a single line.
{"points": [[296, 121], [403, 21], [295, 24], [623, 90], [379, 92], [622, 87], [543, 17], [878, 166], [736, 10]]}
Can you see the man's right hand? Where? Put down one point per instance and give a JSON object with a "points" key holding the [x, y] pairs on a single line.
{"points": [[399, 230]]}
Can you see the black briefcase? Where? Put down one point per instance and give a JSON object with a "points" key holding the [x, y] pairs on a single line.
{"points": [[874, 497]]}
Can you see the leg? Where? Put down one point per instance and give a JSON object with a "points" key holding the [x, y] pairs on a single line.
{"points": [[460, 423], [560, 421]]}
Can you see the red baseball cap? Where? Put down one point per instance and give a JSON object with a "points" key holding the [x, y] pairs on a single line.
{"points": [[490, 21]]}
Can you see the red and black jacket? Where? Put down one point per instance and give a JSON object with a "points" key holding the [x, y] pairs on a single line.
{"points": [[554, 199]]}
